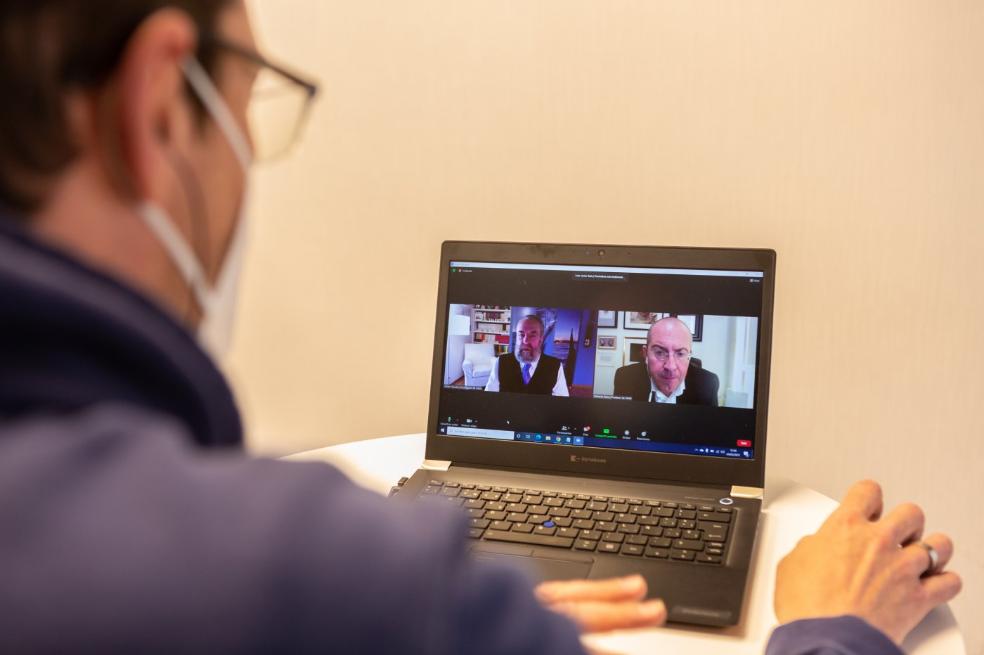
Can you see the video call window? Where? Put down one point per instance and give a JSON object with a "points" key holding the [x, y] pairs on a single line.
{"points": [[643, 356]]}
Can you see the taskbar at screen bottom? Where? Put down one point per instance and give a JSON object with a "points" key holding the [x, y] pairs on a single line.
{"points": [[598, 441]]}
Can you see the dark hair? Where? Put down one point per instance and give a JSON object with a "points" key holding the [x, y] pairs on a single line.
{"points": [[48, 48]]}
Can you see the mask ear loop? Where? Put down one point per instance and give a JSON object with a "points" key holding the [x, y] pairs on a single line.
{"points": [[197, 211], [217, 107]]}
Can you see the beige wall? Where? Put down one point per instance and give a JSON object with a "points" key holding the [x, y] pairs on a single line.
{"points": [[847, 135]]}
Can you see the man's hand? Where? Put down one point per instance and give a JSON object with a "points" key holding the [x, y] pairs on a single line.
{"points": [[603, 605], [871, 567]]}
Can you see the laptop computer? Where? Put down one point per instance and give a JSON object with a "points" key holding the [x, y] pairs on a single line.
{"points": [[601, 410]]}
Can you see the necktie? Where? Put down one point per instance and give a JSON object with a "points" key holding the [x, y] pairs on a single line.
{"points": [[526, 373]]}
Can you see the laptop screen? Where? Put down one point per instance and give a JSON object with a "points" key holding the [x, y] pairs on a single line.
{"points": [[645, 359]]}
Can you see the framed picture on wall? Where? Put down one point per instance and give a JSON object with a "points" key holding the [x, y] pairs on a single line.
{"points": [[607, 342], [642, 320], [607, 319], [633, 350], [695, 323]]}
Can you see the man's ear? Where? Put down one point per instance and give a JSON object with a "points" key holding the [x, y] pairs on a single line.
{"points": [[151, 106]]}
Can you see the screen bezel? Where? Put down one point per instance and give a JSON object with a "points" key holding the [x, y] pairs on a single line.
{"points": [[620, 463]]}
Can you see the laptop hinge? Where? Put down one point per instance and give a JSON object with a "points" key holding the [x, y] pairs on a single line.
{"points": [[436, 465], [746, 492]]}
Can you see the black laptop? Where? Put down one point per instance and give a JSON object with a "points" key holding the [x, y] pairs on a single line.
{"points": [[601, 410]]}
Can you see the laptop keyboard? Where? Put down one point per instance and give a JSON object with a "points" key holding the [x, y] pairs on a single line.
{"points": [[628, 526]]}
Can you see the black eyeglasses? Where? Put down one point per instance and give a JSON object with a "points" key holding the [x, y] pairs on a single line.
{"points": [[280, 103]]}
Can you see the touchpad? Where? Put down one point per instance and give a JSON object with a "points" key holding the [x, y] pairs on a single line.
{"points": [[540, 562]]}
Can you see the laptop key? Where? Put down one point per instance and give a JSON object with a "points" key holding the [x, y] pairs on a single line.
{"points": [[637, 539], [688, 544], [495, 516], [608, 547], [476, 513], [591, 535], [603, 516], [631, 549], [722, 517], [542, 529], [523, 527], [658, 553], [614, 537], [568, 532], [480, 523], [687, 525], [671, 533], [501, 525], [470, 493], [517, 507], [475, 533], [708, 559], [627, 528], [619, 508], [562, 521], [652, 531], [512, 498], [585, 544], [495, 506], [660, 542], [606, 526], [682, 555], [539, 518], [533, 539], [581, 514], [597, 506], [517, 517]]}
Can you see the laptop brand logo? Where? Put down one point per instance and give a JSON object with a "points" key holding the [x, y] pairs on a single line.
{"points": [[587, 460]]}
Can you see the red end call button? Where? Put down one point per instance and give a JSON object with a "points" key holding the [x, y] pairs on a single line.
{"points": [[744, 443]]}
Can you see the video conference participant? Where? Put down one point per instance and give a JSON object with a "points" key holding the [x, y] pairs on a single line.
{"points": [[528, 369], [667, 376]]}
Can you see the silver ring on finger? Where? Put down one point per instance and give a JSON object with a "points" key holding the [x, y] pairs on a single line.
{"points": [[934, 559]]}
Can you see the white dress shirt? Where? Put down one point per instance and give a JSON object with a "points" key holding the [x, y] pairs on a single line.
{"points": [[559, 389], [657, 396]]}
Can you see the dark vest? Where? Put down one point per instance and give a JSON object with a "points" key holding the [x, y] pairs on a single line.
{"points": [[543, 381]]}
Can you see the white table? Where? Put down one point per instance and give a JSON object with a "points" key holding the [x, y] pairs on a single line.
{"points": [[790, 512]]}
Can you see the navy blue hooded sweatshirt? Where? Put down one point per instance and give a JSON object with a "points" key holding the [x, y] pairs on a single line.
{"points": [[131, 520]]}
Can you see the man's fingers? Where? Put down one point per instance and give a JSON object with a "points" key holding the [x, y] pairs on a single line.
{"points": [[905, 523], [595, 616], [864, 498], [917, 557], [942, 587], [631, 588]]}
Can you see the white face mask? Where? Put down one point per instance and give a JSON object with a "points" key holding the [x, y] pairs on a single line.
{"points": [[217, 303]]}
